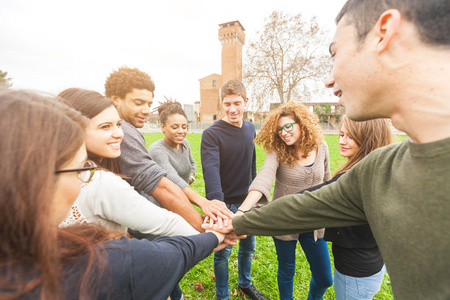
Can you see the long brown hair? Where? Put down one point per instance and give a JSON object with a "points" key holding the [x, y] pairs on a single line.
{"points": [[368, 135], [39, 137], [310, 139], [90, 104]]}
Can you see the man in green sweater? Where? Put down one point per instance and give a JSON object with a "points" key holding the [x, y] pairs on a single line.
{"points": [[391, 59]]}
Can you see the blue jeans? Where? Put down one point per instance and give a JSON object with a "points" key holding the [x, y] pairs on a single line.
{"points": [[355, 288], [176, 293], [245, 255], [319, 263]]}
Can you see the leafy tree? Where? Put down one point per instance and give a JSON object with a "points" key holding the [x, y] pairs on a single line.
{"points": [[287, 60], [4, 81]]}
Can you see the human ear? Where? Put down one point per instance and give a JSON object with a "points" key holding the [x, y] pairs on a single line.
{"points": [[386, 28], [115, 99]]}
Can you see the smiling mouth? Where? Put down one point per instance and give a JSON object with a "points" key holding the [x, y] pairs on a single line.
{"points": [[115, 145]]}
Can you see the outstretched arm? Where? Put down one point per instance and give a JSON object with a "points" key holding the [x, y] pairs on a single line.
{"points": [[172, 198]]}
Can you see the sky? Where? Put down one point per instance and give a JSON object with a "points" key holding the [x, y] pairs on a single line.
{"points": [[50, 45]]}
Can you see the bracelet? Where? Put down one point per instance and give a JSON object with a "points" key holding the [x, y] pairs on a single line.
{"points": [[192, 177], [243, 211]]}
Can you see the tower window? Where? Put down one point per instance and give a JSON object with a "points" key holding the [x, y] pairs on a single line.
{"points": [[214, 83]]}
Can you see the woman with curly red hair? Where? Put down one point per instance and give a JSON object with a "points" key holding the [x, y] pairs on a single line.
{"points": [[297, 157]]}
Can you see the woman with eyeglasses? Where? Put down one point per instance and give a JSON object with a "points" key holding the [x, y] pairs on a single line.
{"points": [[43, 167], [297, 158], [109, 200]]}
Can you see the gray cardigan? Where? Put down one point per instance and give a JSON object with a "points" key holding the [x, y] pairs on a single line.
{"points": [[177, 163], [291, 180]]}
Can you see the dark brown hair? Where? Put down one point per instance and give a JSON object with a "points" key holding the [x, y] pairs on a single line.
{"points": [[368, 135], [90, 104], [41, 137], [431, 17], [125, 79], [310, 139]]}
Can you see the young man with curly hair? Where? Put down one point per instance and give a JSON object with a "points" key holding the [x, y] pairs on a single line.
{"points": [[391, 60], [229, 166], [132, 92]]}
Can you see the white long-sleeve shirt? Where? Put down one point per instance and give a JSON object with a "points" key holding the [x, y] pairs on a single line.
{"points": [[110, 201]]}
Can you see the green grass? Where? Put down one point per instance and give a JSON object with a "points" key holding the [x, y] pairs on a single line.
{"points": [[264, 267]]}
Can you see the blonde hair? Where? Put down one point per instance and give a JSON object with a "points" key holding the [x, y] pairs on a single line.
{"points": [[310, 139], [368, 135]]}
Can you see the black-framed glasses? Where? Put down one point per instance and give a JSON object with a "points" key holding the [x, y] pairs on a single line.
{"points": [[288, 127], [84, 174]]}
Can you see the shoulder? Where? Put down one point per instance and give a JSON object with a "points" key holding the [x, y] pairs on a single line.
{"points": [[186, 143], [107, 182], [158, 145]]}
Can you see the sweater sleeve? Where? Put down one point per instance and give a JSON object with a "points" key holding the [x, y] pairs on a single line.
{"points": [[135, 162], [338, 204], [264, 180], [161, 157], [326, 163], [155, 267], [210, 154], [114, 199]]}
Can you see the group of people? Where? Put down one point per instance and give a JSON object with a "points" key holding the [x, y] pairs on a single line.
{"points": [[88, 212]]}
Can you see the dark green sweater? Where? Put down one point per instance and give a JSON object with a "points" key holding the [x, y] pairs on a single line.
{"points": [[403, 192]]}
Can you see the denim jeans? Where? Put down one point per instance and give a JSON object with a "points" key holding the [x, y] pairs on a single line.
{"points": [[353, 288], [319, 263], [176, 293], [245, 255]]}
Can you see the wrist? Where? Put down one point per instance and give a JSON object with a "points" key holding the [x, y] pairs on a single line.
{"points": [[192, 178], [243, 210]]}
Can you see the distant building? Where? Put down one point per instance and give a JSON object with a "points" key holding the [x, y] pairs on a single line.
{"points": [[189, 110], [232, 38]]}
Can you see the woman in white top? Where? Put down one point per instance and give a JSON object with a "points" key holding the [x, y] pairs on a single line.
{"points": [[109, 200]]}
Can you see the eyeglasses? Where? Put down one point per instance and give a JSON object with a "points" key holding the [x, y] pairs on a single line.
{"points": [[84, 174], [288, 127]]}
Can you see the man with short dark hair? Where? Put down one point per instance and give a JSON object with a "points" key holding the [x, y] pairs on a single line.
{"points": [[391, 60], [229, 167]]}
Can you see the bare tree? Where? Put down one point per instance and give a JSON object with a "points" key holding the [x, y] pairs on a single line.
{"points": [[5, 82], [286, 61]]}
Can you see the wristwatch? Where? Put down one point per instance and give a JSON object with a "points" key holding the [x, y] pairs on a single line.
{"points": [[192, 177]]}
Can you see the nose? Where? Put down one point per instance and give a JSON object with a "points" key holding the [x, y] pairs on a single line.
{"points": [[342, 140], [146, 110], [118, 132], [329, 83], [232, 108]]}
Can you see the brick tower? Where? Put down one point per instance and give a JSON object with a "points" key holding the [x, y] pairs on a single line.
{"points": [[232, 38]]}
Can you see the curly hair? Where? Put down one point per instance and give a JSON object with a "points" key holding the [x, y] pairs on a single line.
{"points": [[310, 139], [167, 108], [125, 79]]}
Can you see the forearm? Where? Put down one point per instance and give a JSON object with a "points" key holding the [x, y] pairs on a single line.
{"points": [[171, 197], [251, 199], [194, 197], [300, 213]]}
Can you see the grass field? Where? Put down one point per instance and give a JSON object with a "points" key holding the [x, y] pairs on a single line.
{"points": [[198, 283]]}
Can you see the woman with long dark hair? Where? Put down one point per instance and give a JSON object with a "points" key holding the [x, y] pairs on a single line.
{"points": [[43, 167], [109, 200]]}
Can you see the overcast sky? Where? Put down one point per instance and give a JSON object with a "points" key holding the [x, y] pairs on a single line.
{"points": [[51, 45]]}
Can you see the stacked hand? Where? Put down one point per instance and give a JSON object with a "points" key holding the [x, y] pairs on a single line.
{"points": [[217, 213]]}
